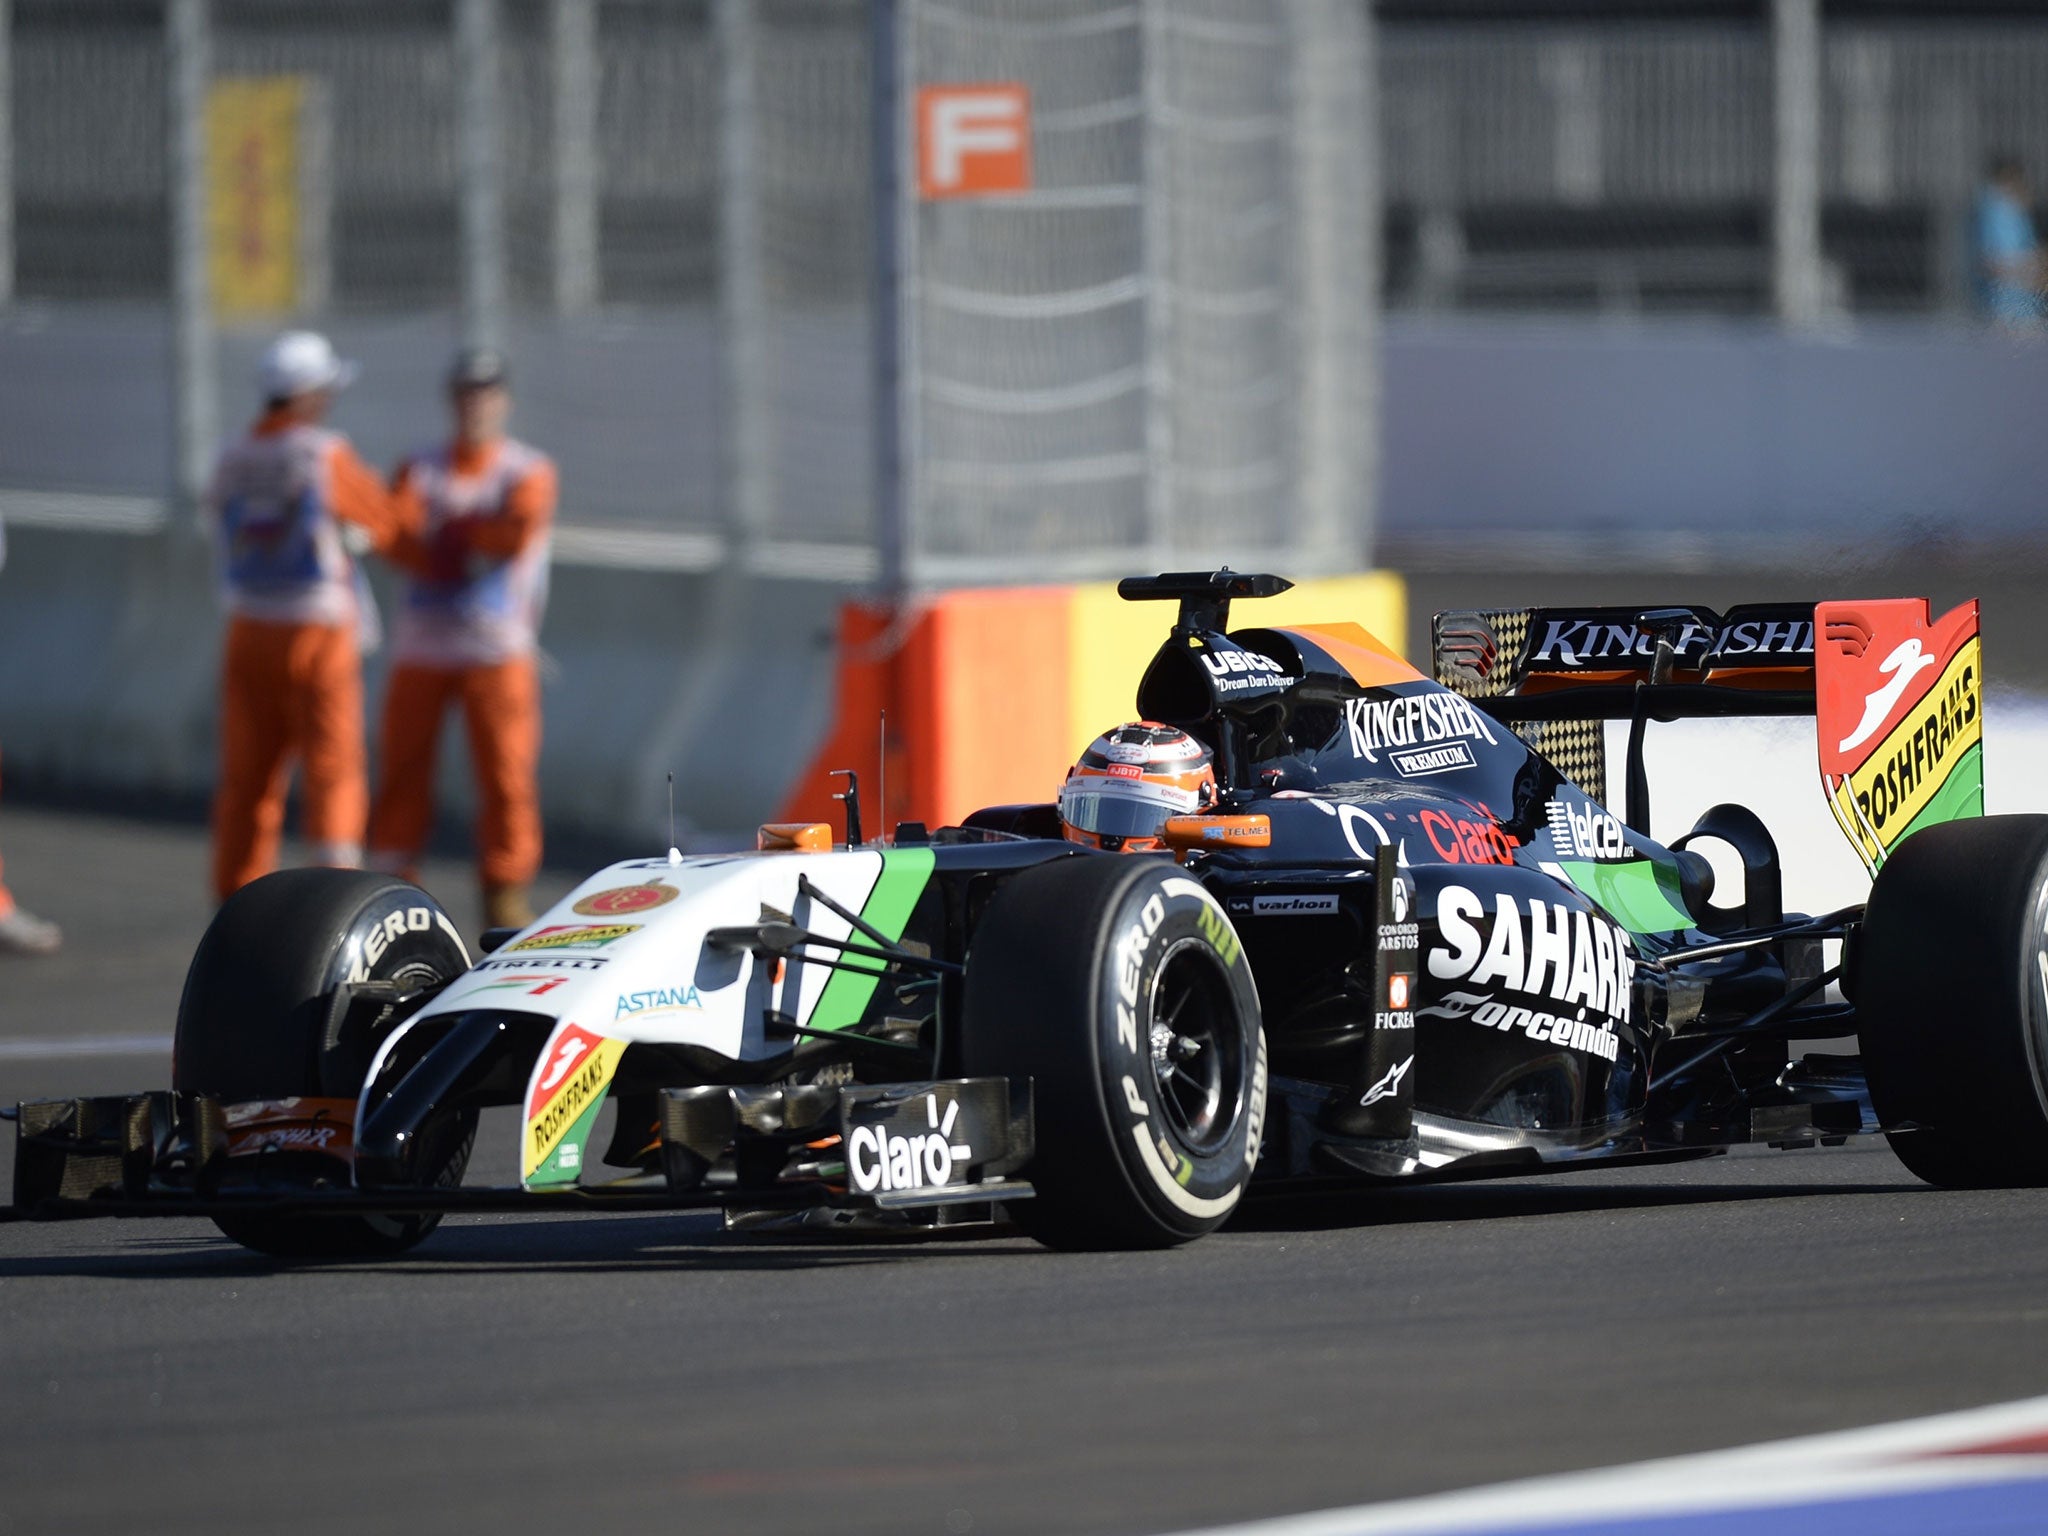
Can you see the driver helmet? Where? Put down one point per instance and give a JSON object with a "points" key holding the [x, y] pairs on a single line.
{"points": [[1130, 780]]}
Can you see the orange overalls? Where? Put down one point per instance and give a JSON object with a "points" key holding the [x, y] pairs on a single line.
{"points": [[6, 896], [469, 630], [291, 677]]}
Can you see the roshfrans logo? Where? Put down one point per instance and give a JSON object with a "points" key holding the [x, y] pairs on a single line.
{"points": [[879, 1160], [570, 1081], [574, 936]]}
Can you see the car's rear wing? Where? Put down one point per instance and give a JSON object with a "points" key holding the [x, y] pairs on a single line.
{"points": [[1554, 674], [1897, 694], [1588, 663]]}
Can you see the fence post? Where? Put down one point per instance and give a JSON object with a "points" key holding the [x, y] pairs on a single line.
{"points": [[1335, 159], [891, 232], [1155, 194], [194, 383], [572, 30], [316, 197], [1952, 260], [742, 312], [1797, 276], [479, 165], [6, 153]]}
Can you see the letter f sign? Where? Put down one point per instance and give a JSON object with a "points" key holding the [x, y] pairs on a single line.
{"points": [[973, 140]]}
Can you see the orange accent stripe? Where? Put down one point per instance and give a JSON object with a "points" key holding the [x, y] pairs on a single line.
{"points": [[1370, 661]]}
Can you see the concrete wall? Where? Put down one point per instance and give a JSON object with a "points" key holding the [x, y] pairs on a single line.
{"points": [[1524, 463], [109, 657], [1717, 431], [1729, 430]]}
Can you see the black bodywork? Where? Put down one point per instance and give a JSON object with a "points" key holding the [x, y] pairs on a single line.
{"points": [[1578, 993]]}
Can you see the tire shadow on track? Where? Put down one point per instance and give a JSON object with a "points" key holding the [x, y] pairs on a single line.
{"points": [[575, 1245], [1328, 1209]]}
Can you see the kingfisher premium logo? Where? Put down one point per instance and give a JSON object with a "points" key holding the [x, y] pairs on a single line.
{"points": [[1412, 720]]}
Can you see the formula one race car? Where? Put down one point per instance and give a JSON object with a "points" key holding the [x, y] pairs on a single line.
{"points": [[1407, 941]]}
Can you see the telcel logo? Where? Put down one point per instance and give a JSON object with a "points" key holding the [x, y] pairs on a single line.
{"points": [[879, 1160]]}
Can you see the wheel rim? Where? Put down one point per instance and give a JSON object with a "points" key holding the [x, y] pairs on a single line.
{"points": [[1198, 1071], [2034, 989]]}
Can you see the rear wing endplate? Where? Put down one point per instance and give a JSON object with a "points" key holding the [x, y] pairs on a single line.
{"points": [[1897, 694]]}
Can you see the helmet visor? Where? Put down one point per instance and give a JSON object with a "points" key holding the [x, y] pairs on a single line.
{"points": [[1122, 812]]}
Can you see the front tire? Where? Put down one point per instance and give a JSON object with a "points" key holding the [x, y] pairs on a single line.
{"points": [[255, 1022], [1120, 988], [1952, 994]]}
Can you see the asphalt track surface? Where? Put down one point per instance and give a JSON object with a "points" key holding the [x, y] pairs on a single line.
{"points": [[650, 1372]]}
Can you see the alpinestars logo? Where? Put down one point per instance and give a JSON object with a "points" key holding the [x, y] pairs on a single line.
{"points": [[1587, 832], [877, 1159], [1387, 1086]]}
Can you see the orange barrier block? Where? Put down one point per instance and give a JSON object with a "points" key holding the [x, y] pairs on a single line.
{"points": [[992, 693], [975, 688], [985, 714]]}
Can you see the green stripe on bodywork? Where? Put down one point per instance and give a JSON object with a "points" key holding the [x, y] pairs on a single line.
{"points": [[1961, 796], [1640, 895], [552, 1172], [905, 874]]}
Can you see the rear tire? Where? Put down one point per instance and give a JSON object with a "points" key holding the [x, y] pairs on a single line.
{"points": [[254, 1023], [1076, 966], [1952, 996]]}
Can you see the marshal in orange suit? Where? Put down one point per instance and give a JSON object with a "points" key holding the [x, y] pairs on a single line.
{"points": [[469, 632], [287, 502]]}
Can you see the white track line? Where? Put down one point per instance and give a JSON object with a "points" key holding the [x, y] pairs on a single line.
{"points": [[57, 1048], [1884, 1459]]}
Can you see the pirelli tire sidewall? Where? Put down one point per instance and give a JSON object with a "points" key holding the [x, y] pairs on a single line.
{"points": [[1952, 1001], [1166, 918], [261, 1018], [399, 934], [256, 1019]]}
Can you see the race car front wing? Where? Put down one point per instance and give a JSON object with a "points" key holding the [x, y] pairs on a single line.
{"points": [[902, 1147]]}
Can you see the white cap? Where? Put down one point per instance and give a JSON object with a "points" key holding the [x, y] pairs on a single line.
{"points": [[299, 362]]}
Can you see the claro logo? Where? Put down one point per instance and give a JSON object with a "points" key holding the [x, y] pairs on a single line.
{"points": [[879, 1159]]}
